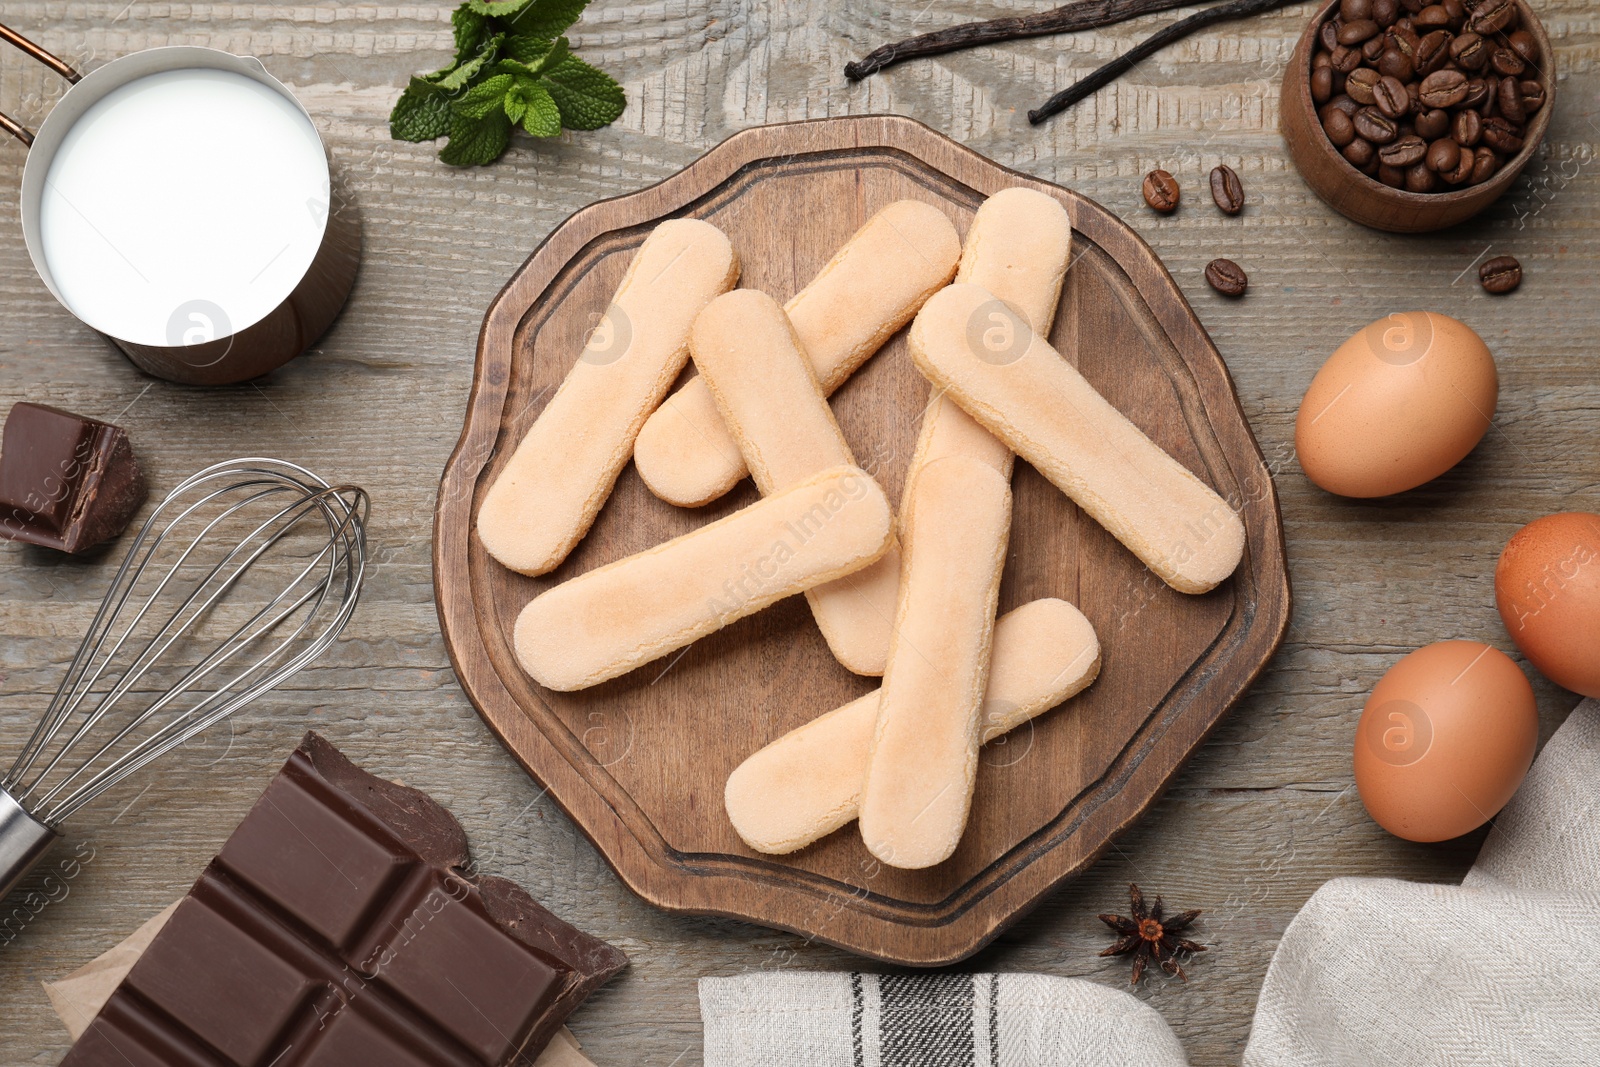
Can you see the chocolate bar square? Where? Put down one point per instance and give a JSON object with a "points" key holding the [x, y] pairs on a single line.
{"points": [[339, 925], [66, 482]]}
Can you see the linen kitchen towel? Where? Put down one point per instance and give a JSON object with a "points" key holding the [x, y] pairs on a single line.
{"points": [[798, 1019], [1499, 970]]}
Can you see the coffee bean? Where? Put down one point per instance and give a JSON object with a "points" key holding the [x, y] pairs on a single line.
{"points": [[1484, 164], [1328, 35], [1414, 99], [1502, 136], [1491, 95], [1384, 12], [1443, 156], [1359, 152], [1532, 95], [1490, 16], [1403, 152], [1507, 62], [1322, 84], [1375, 126], [1509, 101], [1353, 33], [1411, 7], [1445, 88], [1390, 96], [1477, 89], [1394, 63], [1466, 129], [1227, 277], [1457, 12], [1227, 190], [1432, 124], [1345, 59], [1470, 51], [1465, 158], [1337, 125], [1161, 191], [1350, 10], [1433, 17], [1433, 52], [1393, 177], [1404, 40], [1419, 179], [1500, 275], [1372, 48], [1363, 83], [1525, 45], [1342, 102]]}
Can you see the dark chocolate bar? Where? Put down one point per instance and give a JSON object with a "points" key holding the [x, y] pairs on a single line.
{"points": [[338, 928], [66, 482]]}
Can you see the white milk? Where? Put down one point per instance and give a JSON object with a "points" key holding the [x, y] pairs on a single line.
{"points": [[184, 205]]}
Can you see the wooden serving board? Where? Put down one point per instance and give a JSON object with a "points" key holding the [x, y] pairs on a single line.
{"points": [[640, 762]]}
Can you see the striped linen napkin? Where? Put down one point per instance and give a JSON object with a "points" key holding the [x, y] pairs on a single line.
{"points": [[799, 1019]]}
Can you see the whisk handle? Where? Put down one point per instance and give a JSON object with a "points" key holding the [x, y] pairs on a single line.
{"points": [[23, 842]]}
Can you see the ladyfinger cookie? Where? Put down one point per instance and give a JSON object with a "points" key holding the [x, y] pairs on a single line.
{"points": [[769, 399], [1018, 248], [612, 619], [1021, 390], [807, 784], [563, 471], [924, 757], [871, 288]]}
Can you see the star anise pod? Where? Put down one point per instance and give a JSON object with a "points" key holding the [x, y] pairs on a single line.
{"points": [[1149, 935]]}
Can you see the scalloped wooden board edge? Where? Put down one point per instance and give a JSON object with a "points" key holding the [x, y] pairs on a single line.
{"points": [[652, 807]]}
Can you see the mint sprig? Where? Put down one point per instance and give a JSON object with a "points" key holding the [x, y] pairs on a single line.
{"points": [[512, 68]]}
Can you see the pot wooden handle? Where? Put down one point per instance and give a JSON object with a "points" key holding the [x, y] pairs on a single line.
{"points": [[9, 124]]}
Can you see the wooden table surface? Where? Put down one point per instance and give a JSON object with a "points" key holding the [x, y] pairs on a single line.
{"points": [[1262, 815]]}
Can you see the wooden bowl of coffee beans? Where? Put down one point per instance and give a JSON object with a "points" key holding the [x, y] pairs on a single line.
{"points": [[1410, 115]]}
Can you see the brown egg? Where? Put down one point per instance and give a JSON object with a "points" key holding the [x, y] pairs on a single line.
{"points": [[1444, 740], [1397, 405], [1547, 587]]}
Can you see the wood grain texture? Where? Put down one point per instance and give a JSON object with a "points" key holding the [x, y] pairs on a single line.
{"points": [[788, 196], [1264, 812]]}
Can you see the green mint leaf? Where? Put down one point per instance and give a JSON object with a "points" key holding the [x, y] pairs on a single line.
{"points": [[537, 18], [485, 97], [499, 9], [534, 107], [589, 98], [469, 27], [476, 142], [534, 55], [421, 114], [453, 78]]}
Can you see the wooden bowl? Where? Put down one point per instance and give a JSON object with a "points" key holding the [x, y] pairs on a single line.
{"points": [[1367, 200]]}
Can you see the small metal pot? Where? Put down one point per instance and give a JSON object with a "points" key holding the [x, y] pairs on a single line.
{"points": [[203, 348]]}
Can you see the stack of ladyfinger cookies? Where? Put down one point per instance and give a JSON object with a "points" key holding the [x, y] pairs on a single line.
{"points": [[911, 597]]}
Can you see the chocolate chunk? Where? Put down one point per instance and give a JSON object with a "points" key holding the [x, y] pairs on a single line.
{"points": [[66, 482], [339, 926]]}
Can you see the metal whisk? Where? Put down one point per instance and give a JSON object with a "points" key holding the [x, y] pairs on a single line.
{"points": [[243, 575]]}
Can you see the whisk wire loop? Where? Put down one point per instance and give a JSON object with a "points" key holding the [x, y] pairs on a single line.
{"points": [[299, 617]]}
